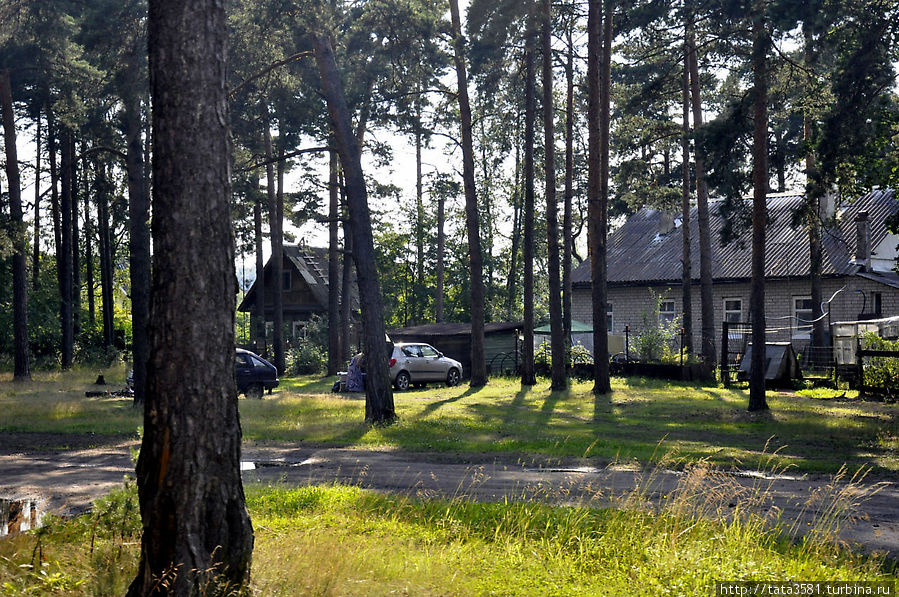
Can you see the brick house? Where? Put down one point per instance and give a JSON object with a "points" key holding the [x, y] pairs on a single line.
{"points": [[645, 254]]}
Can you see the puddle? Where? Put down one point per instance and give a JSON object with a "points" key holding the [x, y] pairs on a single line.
{"points": [[17, 516]]}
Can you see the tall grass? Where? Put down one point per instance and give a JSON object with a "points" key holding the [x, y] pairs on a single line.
{"points": [[340, 540]]}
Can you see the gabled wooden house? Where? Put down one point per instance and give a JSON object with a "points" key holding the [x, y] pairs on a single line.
{"points": [[304, 284]]}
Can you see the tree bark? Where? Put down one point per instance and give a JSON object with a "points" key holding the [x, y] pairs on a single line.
{"points": [[515, 249], [21, 365], [759, 208], [687, 257], [333, 266], [379, 406], [441, 250], [707, 306], [528, 375], [346, 286], [197, 536], [259, 331], [559, 379], [419, 294], [472, 220], [90, 283], [76, 244]]}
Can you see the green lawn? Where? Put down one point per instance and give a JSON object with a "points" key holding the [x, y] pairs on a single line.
{"points": [[338, 540], [691, 422]]}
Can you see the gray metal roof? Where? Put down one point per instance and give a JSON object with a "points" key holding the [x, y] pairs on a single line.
{"points": [[638, 254]]}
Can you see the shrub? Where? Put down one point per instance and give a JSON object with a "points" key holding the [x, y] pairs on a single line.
{"points": [[881, 372]]}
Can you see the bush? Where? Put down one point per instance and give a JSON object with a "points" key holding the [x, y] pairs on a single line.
{"points": [[658, 340], [306, 359], [881, 372]]}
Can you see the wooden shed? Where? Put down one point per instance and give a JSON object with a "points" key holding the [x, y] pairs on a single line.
{"points": [[454, 340]]}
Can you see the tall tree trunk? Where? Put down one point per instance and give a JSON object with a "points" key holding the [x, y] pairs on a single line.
{"points": [[759, 212], [105, 246], [21, 366], [64, 253], [76, 244], [54, 185], [36, 249], [197, 536], [567, 238], [815, 220], [528, 376], [441, 250], [346, 286], [512, 282], [472, 220], [559, 379], [138, 235], [379, 406], [275, 222], [599, 85], [686, 256], [259, 331], [89, 259], [707, 306], [418, 310], [333, 265]]}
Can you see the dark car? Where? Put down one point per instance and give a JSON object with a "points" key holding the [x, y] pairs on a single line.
{"points": [[254, 374]]}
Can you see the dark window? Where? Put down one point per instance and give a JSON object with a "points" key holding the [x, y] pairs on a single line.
{"points": [[286, 280]]}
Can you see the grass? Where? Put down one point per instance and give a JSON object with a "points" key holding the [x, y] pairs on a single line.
{"points": [[338, 540], [809, 434]]}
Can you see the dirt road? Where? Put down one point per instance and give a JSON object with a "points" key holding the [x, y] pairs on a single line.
{"points": [[66, 481]]}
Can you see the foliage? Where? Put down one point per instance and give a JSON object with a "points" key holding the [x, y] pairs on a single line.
{"points": [[657, 339], [881, 372], [306, 358]]}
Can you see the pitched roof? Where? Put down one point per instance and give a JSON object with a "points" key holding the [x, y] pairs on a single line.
{"points": [[451, 329], [311, 264], [639, 254]]}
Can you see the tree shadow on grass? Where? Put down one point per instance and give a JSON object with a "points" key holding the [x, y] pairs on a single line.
{"points": [[430, 408]]}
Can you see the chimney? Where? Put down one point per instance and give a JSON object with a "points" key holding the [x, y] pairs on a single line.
{"points": [[863, 241]]}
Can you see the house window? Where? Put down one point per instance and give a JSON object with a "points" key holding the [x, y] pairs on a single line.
{"points": [[733, 310], [877, 303], [666, 311], [299, 329], [609, 319], [802, 315], [286, 280]]}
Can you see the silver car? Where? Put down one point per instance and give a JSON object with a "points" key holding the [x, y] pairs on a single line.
{"points": [[415, 364]]}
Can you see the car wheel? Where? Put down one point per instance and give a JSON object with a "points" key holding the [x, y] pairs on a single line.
{"points": [[453, 377], [255, 391], [402, 381]]}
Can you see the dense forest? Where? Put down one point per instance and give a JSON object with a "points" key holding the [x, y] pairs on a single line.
{"points": [[638, 102]]}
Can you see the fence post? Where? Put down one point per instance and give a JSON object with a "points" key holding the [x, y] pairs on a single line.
{"points": [[725, 370]]}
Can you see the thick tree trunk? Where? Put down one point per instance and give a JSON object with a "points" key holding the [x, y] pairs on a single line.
{"points": [[567, 238], [512, 281], [346, 286], [333, 266], [54, 188], [275, 222], [707, 306], [686, 256], [197, 537], [528, 374], [759, 208], [139, 240], [379, 406], [559, 380], [21, 366], [64, 254], [419, 305], [472, 220]]}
